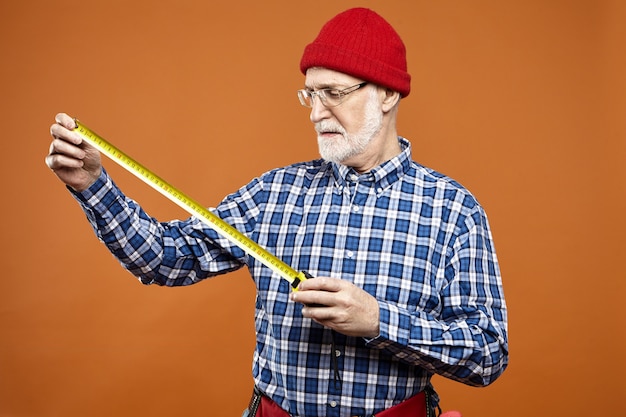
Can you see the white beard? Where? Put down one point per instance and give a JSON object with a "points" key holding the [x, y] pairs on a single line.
{"points": [[338, 150]]}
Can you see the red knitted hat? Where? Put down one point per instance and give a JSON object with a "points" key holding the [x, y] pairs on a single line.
{"points": [[360, 43]]}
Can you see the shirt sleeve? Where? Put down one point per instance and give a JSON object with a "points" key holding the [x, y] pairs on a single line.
{"points": [[174, 253], [465, 339]]}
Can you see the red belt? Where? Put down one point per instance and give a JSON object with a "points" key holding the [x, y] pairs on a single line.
{"points": [[414, 406]]}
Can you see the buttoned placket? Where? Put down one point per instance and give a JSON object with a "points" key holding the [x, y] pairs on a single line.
{"points": [[356, 190]]}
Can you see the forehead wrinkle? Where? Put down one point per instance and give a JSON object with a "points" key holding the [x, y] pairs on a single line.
{"points": [[323, 85], [320, 78]]}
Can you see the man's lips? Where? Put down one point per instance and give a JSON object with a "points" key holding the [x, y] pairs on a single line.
{"points": [[328, 134], [328, 130]]}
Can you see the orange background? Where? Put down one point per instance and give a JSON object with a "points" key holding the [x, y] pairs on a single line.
{"points": [[521, 101]]}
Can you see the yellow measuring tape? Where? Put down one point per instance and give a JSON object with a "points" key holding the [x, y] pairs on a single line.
{"points": [[192, 207]]}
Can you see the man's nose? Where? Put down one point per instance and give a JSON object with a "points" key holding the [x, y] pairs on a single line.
{"points": [[319, 111]]}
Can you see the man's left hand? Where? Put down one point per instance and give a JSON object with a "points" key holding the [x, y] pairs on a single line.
{"points": [[339, 305]]}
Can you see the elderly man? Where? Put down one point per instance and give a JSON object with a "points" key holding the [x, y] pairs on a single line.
{"points": [[407, 282]]}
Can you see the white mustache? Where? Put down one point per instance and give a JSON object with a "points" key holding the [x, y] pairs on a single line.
{"points": [[327, 126]]}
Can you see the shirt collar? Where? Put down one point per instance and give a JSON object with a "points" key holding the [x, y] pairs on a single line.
{"points": [[383, 175]]}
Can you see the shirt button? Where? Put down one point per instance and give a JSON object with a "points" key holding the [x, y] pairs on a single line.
{"points": [[349, 254], [356, 209], [337, 353], [333, 404]]}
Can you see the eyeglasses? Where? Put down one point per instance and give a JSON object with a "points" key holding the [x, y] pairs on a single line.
{"points": [[330, 97]]}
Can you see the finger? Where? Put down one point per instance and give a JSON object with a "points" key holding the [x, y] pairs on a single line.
{"points": [[65, 121], [60, 146], [321, 284], [58, 161], [321, 314], [58, 131], [313, 298]]}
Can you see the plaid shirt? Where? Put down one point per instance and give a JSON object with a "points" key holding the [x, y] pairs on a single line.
{"points": [[414, 239]]}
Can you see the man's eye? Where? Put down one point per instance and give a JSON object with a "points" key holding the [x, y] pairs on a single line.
{"points": [[333, 93]]}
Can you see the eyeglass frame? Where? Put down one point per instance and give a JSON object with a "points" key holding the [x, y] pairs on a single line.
{"points": [[321, 94]]}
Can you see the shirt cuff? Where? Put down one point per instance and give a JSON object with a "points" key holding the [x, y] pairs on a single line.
{"points": [[97, 200], [394, 327]]}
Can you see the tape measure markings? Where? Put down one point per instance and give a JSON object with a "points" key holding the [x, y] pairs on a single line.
{"points": [[191, 206]]}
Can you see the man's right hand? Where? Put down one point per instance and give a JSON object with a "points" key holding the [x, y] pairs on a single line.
{"points": [[74, 161]]}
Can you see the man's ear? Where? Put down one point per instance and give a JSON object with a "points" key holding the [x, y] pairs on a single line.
{"points": [[390, 100]]}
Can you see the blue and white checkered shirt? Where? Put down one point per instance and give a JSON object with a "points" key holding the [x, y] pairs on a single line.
{"points": [[411, 237]]}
